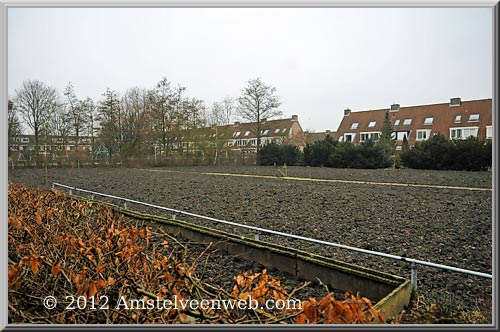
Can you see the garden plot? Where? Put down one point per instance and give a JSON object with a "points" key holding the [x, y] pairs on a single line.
{"points": [[447, 226]]}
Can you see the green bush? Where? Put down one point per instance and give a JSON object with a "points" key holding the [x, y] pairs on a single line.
{"points": [[440, 153], [279, 154], [329, 153], [365, 155], [318, 153]]}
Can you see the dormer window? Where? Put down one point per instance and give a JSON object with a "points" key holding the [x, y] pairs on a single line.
{"points": [[354, 125], [372, 124], [474, 117]]}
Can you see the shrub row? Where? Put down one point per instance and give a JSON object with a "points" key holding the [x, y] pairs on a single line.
{"points": [[438, 153], [471, 154], [330, 153], [279, 154]]}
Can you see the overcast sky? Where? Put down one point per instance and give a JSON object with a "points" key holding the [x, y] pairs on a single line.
{"points": [[320, 60]]}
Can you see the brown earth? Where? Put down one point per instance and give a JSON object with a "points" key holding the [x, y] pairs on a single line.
{"points": [[442, 225]]}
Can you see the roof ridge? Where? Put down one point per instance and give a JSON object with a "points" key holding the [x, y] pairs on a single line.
{"points": [[425, 105]]}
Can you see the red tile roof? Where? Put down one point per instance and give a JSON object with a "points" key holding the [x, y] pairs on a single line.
{"points": [[443, 116]]}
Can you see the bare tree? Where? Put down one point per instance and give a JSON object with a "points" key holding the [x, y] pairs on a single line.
{"points": [[220, 115], [110, 117], [222, 112], [91, 115], [135, 120], [36, 102], [258, 101], [14, 125], [163, 113], [77, 115]]}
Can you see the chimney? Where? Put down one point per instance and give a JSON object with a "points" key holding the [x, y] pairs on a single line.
{"points": [[263, 120], [328, 132], [347, 111], [295, 118], [236, 123], [455, 102], [394, 107]]}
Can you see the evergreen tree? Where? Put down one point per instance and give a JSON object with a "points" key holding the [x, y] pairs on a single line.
{"points": [[386, 141], [406, 146]]}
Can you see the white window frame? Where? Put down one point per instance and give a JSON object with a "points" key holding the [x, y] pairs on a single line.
{"points": [[370, 135], [372, 124], [475, 119], [353, 136], [396, 123], [429, 121], [458, 118], [266, 131], [247, 133], [404, 132], [407, 122], [427, 134], [355, 125], [284, 131], [25, 140], [462, 129], [277, 131], [489, 132]]}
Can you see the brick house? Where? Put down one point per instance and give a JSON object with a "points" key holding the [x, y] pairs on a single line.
{"points": [[22, 147], [455, 120], [318, 136], [242, 137]]}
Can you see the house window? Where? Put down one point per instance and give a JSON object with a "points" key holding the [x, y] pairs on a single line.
{"points": [[253, 141], [374, 136], [349, 137], [372, 124], [489, 132], [399, 147], [463, 133], [284, 130], [354, 125], [25, 140], [458, 119], [265, 132], [396, 123], [247, 133], [423, 134], [428, 121], [277, 131], [400, 135], [474, 118], [407, 122]]}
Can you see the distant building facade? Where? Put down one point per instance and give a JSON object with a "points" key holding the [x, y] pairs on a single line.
{"points": [[318, 136], [455, 120], [22, 147], [242, 137]]}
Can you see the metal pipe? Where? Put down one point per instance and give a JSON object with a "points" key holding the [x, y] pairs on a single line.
{"points": [[293, 236], [413, 280]]}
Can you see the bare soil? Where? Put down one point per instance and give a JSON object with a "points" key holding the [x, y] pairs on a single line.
{"points": [[441, 225]]}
